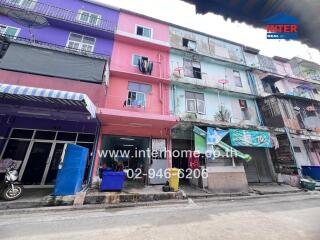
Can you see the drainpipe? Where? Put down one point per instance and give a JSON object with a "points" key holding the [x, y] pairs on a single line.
{"points": [[94, 152], [174, 98], [292, 150]]}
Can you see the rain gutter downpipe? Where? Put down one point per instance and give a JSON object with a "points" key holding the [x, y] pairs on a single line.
{"points": [[98, 129]]}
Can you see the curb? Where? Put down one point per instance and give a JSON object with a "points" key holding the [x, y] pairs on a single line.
{"points": [[91, 207]]}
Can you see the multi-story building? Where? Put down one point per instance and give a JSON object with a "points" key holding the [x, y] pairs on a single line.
{"points": [[136, 112], [211, 86], [54, 68], [109, 79], [289, 106]]}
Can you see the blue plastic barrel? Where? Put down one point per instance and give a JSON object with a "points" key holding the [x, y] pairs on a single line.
{"points": [[311, 171], [112, 181]]}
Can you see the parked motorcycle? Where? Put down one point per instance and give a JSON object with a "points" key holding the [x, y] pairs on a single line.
{"points": [[10, 188]]}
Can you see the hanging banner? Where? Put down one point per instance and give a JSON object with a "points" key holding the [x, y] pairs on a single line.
{"points": [[250, 138], [199, 131], [200, 144], [215, 136]]}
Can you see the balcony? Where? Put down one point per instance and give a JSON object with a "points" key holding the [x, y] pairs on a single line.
{"points": [[56, 13], [35, 57]]}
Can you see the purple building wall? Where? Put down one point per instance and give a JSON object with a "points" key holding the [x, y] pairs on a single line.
{"points": [[58, 31]]}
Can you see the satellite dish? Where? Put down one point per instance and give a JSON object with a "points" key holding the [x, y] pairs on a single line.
{"points": [[28, 19]]}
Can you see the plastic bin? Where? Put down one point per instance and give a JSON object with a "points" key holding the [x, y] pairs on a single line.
{"points": [[112, 181], [311, 171], [174, 179]]}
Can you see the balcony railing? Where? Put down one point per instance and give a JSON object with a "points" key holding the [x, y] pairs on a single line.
{"points": [[55, 12], [51, 46]]}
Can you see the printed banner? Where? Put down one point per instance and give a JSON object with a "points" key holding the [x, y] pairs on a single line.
{"points": [[200, 144], [249, 138], [215, 136]]}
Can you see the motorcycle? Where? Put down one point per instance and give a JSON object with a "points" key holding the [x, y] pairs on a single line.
{"points": [[10, 188]]}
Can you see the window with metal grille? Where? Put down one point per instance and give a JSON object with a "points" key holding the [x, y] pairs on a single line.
{"points": [[81, 42], [24, 3], [8, 31], [88, 17]]}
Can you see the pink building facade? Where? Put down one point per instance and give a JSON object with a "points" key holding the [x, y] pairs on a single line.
{"points": [[136, 109]]}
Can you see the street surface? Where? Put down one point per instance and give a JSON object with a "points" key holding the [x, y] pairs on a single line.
{"points": [[290, 217]]}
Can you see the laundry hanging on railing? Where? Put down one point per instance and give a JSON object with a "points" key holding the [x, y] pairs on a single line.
{"points": [[145, 66]]}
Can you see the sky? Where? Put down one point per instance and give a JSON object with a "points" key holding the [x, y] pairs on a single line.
{"points": [[184, 14]]}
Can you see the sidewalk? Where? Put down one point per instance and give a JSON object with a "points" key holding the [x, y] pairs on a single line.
{"points": [[135, 195], [31, 198]]}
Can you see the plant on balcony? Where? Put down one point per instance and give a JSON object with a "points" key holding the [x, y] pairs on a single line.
{"points": [[223, 115], [189, 116]]}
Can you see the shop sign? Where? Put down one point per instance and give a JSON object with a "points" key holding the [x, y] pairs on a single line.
{"points": [[250, 138]]}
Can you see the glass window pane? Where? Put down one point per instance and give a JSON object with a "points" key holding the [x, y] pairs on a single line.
{"points": [[147, 32], [84, 16], [190, 95], [88, 40], [86, 138], [66, 136], [191, 105], [16, 149], [136, 60], [11, 31], [75, 37], [22, 133], [93, 19], [45, 135], [140, 31]]}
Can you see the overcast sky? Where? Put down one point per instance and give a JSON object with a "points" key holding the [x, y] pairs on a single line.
{"points": [[181, 13]]}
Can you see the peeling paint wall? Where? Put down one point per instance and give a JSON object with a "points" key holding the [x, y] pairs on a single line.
{"points": [[206, 45], [213, 102], [212, 73]]}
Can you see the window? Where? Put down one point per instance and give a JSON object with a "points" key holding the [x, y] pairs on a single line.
{"points": [[297, 149], [137, 94], [191, 45], [135, 59], [244, 109], [24, 3], [9, 31], [192, 68], [88, 17], [195, 102], [143, 31], [237, 78], [81, 42]]}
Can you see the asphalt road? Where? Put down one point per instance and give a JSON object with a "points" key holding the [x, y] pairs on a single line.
{"points": [[290, 217]]}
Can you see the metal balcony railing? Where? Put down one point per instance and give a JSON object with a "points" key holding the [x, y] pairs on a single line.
{"points": [[58, 13], [51, 46]]}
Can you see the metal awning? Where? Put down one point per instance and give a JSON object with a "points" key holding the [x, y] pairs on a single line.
{"points": [[43, 95]]}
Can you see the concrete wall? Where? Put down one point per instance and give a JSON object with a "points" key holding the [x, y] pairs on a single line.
{"points": [[212, 103], [58, 31], [207, 45], [128, 22], [212, 73], [118, 93], [123, 54]]}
